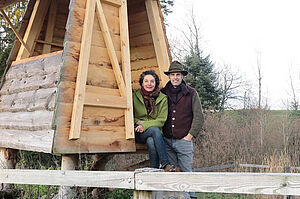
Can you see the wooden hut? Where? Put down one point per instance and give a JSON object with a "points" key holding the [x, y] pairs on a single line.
{"points": [[67, 88]]}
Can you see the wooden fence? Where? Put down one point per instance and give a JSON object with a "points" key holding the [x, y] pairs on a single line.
{"points": [[217, 182]]}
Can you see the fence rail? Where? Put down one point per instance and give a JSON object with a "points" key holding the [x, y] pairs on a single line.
{"points": [[232, 166], [244, 183]]}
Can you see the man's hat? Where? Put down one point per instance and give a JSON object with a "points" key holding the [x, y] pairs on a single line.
{"points": [[176, 67]]}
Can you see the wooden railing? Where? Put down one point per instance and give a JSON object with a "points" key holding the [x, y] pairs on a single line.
{"points": [[217, 182]]}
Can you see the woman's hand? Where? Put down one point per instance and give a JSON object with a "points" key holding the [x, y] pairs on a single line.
{"points": [[139, 129], [139, 122]]}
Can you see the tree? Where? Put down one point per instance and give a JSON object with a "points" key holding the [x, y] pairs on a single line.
{"points": [[166, 6], [202, 77], [7, 36], [201, 69], [232, 87]]}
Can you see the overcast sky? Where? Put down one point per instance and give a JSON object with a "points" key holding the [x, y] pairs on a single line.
{"points": [[233, 31]]}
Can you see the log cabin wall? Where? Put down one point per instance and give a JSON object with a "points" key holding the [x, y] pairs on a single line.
{"points": [[102, 128], [142, 52], [27, 103]]}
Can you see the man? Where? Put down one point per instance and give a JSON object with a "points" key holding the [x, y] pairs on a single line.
{"points": [[185, 118]]}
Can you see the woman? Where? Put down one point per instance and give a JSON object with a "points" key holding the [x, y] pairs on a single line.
{"points": [[150, 114]]}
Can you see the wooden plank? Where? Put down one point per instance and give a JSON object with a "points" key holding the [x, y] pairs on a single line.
{"points": [[136, 6], [50, 26], [46, 43], [93, 139], [42, 99], [110, 48], [99, 54], [37, 57], [142, 53], [101, 116], [110, 10], [101, 76], [92, 116], [98, 40], [142, 40], [158, 38], [30, 83], [137, 17], [85, 48], [244, 183], [102, 91], [43, 65], [116, 179], [98, 99], [15, 31], [126, 68], [144, 64], [34, 26], [139, 29], [33, 121], [39, 141], [117, 3]]}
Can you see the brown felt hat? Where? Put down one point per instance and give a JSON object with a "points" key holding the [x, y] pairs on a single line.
{"points": [[176, 67]]}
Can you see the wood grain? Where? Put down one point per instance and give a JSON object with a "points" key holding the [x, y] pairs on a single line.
{"points": [[40, 141], [116, 179], [244, 183]]}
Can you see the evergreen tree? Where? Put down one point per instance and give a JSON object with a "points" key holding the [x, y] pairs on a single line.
{"points": [[166, 6], [203, 78]]}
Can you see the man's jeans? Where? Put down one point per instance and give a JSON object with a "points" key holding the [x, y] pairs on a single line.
{"points": [[156, 146], [180, 153]]}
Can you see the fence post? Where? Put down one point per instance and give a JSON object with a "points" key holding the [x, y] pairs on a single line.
{"points": [[287, 170], [141, 194]]}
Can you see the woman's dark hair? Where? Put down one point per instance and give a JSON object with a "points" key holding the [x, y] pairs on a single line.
{"points": [[149, 72]]}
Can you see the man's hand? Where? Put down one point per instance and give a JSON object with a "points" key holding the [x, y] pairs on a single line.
{"points": [[188, 137], [139, 122], [139, 129]]}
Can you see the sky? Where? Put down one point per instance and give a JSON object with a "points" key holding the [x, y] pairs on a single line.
{"points": [[234, 31]]}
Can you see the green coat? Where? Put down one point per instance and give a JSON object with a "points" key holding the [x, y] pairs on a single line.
{"points": [[140, 112]]}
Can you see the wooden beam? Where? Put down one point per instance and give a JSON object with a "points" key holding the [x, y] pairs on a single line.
{"points": [[126, 69], [243, 183], [50, 27], [117, 3], [34, 27], [15, 30], [98, 99], [158, 38], [110, 48], [49, 43], [212, 182], [115, 179], [82, 72]]}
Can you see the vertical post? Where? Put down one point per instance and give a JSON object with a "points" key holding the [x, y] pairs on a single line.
{"points": [[126, 69], [158, 38], [68, 162], [8, 159], [287, 170]]}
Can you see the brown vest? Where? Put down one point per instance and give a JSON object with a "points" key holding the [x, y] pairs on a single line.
{"points": [[180, 115]]}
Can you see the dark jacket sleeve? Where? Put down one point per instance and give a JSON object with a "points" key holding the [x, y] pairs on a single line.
{"points": [[198, 117]]}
